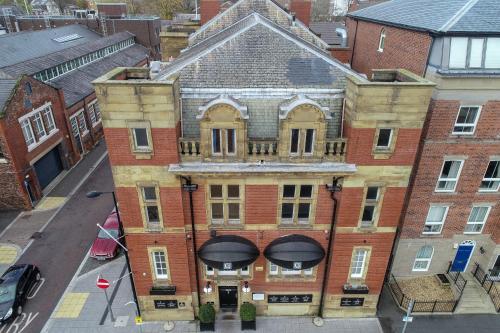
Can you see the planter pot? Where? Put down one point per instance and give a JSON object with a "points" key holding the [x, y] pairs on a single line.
{"points": [[248, 325], [207, 327]]}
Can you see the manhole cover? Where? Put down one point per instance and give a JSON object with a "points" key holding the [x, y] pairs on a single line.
{"points": [[37, 235]]}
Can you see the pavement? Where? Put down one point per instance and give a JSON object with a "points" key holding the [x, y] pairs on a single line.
{"points": [[83, 309], [391, 316], [56, 236]]}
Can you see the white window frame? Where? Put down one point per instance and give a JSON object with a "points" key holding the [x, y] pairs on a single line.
{"points": [[456, 179], [28, 130], [482, 223], [497, 180], [305, 141], [39, 126], [381, 41], [389, 142], [227, 141], [463, 58], [473, 126], [426, 260], [432, 223], [93, 114], [298, 142], [358, 265], [160, 276], [80, 117], [219, 130], [275, 270]]}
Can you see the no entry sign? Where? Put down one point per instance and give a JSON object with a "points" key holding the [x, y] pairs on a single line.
{"points": [[102, 283]]}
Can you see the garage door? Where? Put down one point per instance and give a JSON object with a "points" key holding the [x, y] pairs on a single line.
{"points": [[48, 167]]}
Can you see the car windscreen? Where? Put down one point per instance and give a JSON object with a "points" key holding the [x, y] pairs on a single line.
{"points": [[7, 292], [104, 235]]}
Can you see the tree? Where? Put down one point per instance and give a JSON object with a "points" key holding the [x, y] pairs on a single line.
{"points": [[167, 8]]}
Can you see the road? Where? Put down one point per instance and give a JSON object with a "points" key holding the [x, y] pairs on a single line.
{"points": [[62, 247]]}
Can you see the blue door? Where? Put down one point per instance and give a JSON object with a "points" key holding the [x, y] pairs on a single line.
{"points": [[462, 257]]}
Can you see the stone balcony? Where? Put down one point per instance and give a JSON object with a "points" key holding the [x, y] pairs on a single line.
{"points": [[334, 150]]}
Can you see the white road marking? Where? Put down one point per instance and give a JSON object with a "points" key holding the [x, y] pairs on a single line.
{"points": [[37, 285], [15, 326]]}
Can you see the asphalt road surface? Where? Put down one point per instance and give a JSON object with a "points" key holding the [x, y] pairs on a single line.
{"points": [[62, 247]]}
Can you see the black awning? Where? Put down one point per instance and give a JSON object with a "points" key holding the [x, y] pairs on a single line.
{"points": [[228, 252], [294, 252]]}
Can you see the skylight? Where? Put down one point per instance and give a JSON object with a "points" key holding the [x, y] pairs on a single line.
{"points": [[67, 38]]}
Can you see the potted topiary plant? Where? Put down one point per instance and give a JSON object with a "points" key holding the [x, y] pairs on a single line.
{"points": [[206, 315], [247, 315]]}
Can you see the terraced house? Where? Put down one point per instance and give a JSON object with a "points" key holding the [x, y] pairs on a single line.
{"points": [[452, 217], [256, 168]]}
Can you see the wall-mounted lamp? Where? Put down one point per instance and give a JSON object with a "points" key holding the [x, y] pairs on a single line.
{"points": [[208, 288], [246, 287]]}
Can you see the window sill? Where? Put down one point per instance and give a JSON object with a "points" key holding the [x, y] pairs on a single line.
{"points": [[295, 226], [488, 192], [473, 232], [226, 226], [290, 278], [143, 154], [371, 228]]}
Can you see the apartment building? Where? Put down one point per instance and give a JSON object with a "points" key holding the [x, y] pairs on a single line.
{"points": [[452, 214], [256, 168], [49, 116]]}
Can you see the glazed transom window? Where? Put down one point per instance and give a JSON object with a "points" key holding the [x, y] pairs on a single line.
{"points": [[296, 204]]}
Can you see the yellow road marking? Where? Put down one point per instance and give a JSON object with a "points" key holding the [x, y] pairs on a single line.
{"points": [[72, 305]]}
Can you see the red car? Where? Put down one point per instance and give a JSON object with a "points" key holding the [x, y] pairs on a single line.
{"points": [[104, 247]]}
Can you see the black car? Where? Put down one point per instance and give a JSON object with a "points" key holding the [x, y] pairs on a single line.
{"points": [[15, 285]]}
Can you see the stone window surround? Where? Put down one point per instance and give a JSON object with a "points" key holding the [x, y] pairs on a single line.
{"points": [[378, 206], [361, 279], [38, 111], [225, 201], [140, 153], [312, 200], [383, 152], [157, 281], [280, 277], [144, 203]]}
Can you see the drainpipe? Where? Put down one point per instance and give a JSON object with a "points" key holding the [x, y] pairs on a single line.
{"points": [[335, 187], [190, 188]]}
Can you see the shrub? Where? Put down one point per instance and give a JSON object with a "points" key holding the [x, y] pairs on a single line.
{"points": [[206, 313], [247, 312]]}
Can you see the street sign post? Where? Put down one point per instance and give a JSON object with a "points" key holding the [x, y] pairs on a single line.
{"points": [[104, 284], [408, 319]]}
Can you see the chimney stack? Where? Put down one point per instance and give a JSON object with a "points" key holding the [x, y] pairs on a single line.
{"points": [[208, 9], [302, 10]]}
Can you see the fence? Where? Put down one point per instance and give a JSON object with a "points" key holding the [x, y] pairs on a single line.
{"points": [[419, 306], [489, 286], [458, 279]]}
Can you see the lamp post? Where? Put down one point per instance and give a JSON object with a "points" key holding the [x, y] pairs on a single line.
{"points": [[95, 194]]}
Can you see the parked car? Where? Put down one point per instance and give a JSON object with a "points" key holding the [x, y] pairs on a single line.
{"points": [[15, 286], [104, 247]]}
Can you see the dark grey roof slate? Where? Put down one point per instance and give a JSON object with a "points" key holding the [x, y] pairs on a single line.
{"points": [[478, 16], [23, 46], [326, 31], [6, 86], [35, 65], [78, 84]]}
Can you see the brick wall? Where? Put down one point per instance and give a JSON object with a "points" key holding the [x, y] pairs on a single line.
{"points": [[476, 151], [302, 10], [403, 48], [208, 9], [262, 199], [20, 157]]}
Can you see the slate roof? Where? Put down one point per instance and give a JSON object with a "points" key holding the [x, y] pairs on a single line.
{"points": [[267, 8], [22, 46], [326, 31], [257, 53], [35, 65], [78, 84], [6, 86], [450, 16]]}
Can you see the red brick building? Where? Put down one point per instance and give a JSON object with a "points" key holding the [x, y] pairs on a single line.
{"points": [[49, 116], [241, 176], [452, 215]]}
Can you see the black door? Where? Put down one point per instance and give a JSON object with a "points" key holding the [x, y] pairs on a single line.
{"points": [[228, 297], [48, 167]]}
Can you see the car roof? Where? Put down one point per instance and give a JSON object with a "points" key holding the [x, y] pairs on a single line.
{"points": [[14, 272], [111, 221]]}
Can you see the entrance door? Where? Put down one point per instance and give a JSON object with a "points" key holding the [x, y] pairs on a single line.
{"points": [[228, 297], [48, 167], [495, 271], [462, 256]]}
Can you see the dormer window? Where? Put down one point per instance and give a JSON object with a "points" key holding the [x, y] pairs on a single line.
{"points": [[228, 145], [302, 135], [381, 42]]}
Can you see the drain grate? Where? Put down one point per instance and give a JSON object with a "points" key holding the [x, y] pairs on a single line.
{"points": [[37, 235]]}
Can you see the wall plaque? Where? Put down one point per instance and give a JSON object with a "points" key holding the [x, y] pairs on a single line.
{"points": [[166, 304], [299, 298], [352, 301]]}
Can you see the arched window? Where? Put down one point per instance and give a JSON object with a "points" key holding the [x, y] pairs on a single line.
{"points": [[423, 258], [27, 88], [381, 42]]}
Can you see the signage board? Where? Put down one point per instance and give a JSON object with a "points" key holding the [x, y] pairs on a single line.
{"points": [[352, 301], [166, 304], [294, 298]]}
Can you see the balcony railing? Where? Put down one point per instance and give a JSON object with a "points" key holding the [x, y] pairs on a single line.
{"points": [[267, 150]]}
